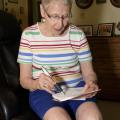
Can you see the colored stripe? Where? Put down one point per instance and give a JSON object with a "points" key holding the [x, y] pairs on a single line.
{"points": [[52, 52]]}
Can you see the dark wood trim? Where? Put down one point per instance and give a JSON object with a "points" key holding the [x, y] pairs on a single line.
{"points": [[30, 12], [106, 61]]}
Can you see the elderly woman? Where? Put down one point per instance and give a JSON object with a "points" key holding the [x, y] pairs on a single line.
{"points": [[62, 49]]}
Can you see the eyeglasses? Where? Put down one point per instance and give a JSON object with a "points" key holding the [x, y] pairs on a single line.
{"points": [[57, 18]]}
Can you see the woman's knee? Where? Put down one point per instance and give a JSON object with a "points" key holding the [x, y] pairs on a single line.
{"points": [[56, 113], [88, 111]]}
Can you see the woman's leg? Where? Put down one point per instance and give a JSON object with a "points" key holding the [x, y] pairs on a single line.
{"points": [[46, 108], [56, 113], [88, 111]]}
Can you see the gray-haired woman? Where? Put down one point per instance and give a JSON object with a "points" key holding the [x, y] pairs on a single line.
{"points": [[62, 49]]}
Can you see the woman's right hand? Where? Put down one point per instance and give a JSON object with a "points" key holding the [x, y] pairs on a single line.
{"points": [[45, 83]]}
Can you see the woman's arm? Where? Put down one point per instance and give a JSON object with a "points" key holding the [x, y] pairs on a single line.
{"points": [[44, 82], [26, 79], [88, 71], [89, 77]]}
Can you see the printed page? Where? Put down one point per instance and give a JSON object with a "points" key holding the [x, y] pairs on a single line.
{"points": [[72, 93]]}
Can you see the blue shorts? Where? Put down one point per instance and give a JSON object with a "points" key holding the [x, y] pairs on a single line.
{"points": [[41, 101]]}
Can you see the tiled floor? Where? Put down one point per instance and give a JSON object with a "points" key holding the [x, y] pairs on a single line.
{"points": [[110, 110]]}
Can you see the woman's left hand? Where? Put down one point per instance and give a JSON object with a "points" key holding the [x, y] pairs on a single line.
{"points": [[89, 87]]}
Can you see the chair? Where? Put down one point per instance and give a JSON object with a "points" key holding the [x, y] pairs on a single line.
{"points": [[14, 104]]}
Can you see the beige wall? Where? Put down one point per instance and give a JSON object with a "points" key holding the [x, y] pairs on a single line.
{"points": [[97, 13]]}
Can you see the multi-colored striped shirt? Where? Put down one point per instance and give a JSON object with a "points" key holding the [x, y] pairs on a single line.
{"points": [[61, 56]]}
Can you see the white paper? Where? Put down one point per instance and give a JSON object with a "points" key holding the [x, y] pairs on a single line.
{"points": [[72, 93]]}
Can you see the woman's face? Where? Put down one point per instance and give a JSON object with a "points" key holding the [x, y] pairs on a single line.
{"points": [[57, 17]]}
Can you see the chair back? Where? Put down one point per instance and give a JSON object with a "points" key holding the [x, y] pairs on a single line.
{"points": [[10, 33]]}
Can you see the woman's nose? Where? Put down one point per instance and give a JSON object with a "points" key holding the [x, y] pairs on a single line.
{"points": [[60, 23]]}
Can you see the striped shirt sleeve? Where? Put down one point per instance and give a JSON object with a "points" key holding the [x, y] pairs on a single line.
{"points": [[25, 53], [80, 45]]}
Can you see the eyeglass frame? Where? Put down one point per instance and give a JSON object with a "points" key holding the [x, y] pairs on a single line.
{"points": [[56, 18]]}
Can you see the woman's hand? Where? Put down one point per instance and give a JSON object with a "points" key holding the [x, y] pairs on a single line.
{"points": [[45, 83], [89, 87]]}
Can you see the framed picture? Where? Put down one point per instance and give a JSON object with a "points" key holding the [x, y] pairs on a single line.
{"points": [[105, 29], [117, 29], [100, 1], [115, 3], [13, 1], [84, 4], [87, 29]]}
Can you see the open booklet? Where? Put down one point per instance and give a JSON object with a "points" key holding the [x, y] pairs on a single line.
{"points": [[72, 93]]}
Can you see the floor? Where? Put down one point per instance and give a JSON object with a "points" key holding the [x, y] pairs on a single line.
{"points": [[110, 110]]}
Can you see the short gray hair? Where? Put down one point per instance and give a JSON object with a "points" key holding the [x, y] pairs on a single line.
{"points": [[46, 2]]}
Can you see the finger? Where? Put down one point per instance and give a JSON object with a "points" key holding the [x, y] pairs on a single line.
{"points": [[44, 79], [91, 95], [49, 85], [93, 86], [47, 89], [89, 88], [85, 88], [49, 79]]}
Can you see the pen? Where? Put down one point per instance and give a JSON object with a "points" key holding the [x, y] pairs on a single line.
{"points": [[57, 87]]}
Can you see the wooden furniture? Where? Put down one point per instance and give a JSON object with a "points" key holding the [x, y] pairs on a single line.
{"points": [[106, 61]]}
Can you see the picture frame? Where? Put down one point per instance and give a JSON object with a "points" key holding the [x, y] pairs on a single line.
{"points": [[13, 1], [105, 29], [115, 3], [117, 29], [87, 29], [100, 1], [84, 4]]}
